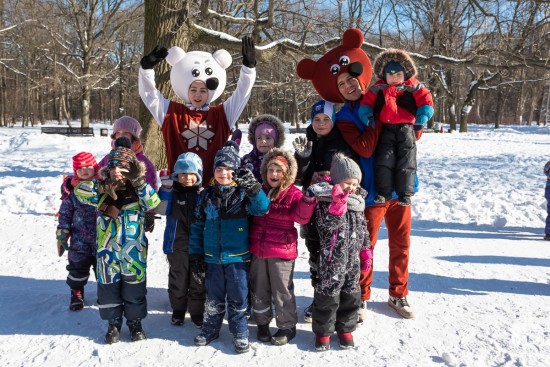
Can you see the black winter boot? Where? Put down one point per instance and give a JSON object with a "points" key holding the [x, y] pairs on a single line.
{"points": [[77, 299], [113, 334], [283, 336], [136, 331], [263, 335]]}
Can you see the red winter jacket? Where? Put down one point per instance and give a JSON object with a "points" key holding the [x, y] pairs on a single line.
{"points": [[393, 104], [273, 235]]}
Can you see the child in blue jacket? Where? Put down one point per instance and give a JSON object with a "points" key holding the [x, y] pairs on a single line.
{"points": [[219, 236], [186, 292]]}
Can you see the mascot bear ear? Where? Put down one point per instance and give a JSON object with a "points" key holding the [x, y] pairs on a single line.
{"points": [[306, 69], [353, 38], [223, 58], [175, 54]]}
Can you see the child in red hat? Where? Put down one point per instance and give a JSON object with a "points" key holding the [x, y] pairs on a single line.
{"points": [[76, 231]]}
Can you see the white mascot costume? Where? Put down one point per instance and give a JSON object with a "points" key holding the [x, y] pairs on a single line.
{"points": [[185, 128]]}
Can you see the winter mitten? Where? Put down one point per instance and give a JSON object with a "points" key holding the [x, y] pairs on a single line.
{"points": [[165, 179], [109, 186], [237, 136], [249, 52], [339, 203], [245, 179], [154, 57], [423, 114], [136, 174], [319, 189], [418, 130], [62, 236], [366, 115], [365, 259], [197, 268], [149, 221], [302, 147]]}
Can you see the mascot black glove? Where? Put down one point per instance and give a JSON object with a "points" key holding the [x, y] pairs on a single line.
{"points": [[154, 57], [249, 52]]}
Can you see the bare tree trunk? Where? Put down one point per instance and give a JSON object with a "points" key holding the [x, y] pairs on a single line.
{"points": [[165, 26]]}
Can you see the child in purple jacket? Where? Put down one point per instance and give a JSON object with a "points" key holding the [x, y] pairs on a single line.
{"points": [[273, 244], [76, 230], [264, 132]]}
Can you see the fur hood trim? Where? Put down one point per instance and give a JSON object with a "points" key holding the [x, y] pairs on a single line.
{"points": [[269, 119], [290, 177], [397, 55]]}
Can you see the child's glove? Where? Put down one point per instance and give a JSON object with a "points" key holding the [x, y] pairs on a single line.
{"points": [[197, 267], [165, 179], [249, 52], [62, 236], [302, 147], [154, 57], [365, 259], [318, 189], [237, 136], [136, 174], [366, 115], [245, 179], [109, 186], [339, 203]]}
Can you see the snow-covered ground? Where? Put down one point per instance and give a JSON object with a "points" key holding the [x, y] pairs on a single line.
{"points": [[479, 272]]}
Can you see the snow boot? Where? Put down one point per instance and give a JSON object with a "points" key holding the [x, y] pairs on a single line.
{"points": [[77, 299], [136, 331], [346, 340], [283, 336], [322, 342], [263, 335], [113, 332]]}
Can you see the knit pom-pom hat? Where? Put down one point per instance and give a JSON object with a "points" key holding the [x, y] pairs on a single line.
{"points": [[343, 167], [122, 156], [228, 156]]}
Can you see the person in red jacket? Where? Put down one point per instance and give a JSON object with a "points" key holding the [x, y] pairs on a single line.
{"points": [[273, 244], [399, 101]]}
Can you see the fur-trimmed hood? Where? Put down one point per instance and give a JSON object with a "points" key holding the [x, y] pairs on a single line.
{"points": [[290, 177], [397, 55], [268, 119]]}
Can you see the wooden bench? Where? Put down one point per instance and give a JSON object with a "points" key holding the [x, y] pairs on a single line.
{"points": [[68, 131]]}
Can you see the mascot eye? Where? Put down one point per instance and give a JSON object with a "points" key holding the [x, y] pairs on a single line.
{"points": [[344, 60], [334, 69], [195, 72], [208, 71]]}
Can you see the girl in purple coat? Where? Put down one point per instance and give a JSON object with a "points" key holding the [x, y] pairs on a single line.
{"points": [[130, 128], [76, 229], [273, 244]]}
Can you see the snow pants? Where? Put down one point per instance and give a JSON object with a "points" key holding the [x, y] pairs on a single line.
{"points": [[335, 313], [398, 223], [185, 292], [79, 272], [272, 282], [122, 298], [395, 160], [226, 282]]}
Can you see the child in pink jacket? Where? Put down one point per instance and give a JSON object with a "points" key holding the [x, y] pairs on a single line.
{"points": [[273, 244]]}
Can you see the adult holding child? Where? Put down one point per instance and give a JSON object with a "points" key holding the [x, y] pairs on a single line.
{"points": [[346, 81]]}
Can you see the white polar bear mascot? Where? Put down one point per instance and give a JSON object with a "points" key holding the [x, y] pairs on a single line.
{"points": [[198, 78]]}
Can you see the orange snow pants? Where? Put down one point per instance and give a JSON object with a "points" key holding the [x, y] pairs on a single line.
{"points": [[398, 223]]}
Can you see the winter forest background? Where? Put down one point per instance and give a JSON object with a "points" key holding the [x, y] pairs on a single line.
{"points": [[65, 60]]}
